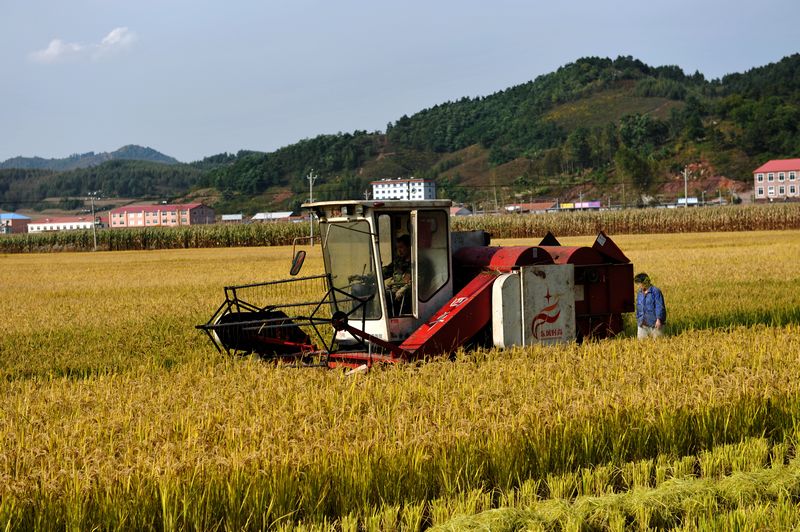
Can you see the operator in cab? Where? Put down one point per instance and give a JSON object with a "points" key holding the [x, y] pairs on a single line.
{"points": [[397, 276]]}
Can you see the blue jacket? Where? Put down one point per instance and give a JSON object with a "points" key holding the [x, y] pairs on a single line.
{"points": [[650, 307]]}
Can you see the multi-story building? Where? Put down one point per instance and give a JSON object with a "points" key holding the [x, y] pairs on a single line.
{"points": [[404, 189], [161, 215], [777, 179], [11, 222]]}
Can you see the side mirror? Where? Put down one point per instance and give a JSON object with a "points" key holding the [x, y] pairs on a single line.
{"points": [[297, 262]]}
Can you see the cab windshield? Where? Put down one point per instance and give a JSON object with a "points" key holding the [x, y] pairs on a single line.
{"points": [[349, 259]]}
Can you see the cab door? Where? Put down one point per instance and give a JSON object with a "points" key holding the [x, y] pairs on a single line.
{"points": [[431, 261]]}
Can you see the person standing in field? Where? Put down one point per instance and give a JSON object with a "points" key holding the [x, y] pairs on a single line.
{"points": [[651, 313]]}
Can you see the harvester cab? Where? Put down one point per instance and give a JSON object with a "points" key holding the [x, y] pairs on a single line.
{"points": [[400, 286], [390, 260]]}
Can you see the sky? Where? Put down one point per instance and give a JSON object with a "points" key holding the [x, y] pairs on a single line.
{"points": [[194, 78]]}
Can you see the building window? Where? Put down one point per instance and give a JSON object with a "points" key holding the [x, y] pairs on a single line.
{"points": [[760, 192], [760, 177], [771, 191], [781, 176], [792, 176], [792, 190], [781, 191], [770, 177]]}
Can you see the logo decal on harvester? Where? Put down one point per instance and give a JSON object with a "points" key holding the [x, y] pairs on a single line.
{"points": [[549, 314], [438, 320], [457, 301]]}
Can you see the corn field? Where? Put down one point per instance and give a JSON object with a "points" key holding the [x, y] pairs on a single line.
{"points": [[629, 221], [117, 414], [638, 221], [151, 238]]}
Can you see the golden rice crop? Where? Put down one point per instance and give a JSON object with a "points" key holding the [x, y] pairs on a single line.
{"points": [[756, 492], [116, 413]]}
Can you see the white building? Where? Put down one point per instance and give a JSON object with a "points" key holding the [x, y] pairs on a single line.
{"points": [[62, 223], [404, 189], [272, 216], [232, 218]]}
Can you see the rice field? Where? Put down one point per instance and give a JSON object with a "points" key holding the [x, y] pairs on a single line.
{"points": [[117, 414]]}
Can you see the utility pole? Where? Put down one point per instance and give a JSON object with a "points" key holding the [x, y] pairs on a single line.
{"points": [[92, 195], [311, 178], [685, 187], [623, 194]]}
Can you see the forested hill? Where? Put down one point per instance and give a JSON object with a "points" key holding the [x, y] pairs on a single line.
{"points": [[589, 128], [592, 126], [85, 160]]}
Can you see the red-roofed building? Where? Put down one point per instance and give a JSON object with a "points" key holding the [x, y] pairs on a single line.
{"points": [[64, 223], [161, 215], [777, 179]]}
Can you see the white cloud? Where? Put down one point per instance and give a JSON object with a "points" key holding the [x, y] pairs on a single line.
{"points": [[58, 50], [117, 40]]}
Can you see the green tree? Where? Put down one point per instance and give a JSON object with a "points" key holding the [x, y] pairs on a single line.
{"points": [[633, 167], [578, 149]]}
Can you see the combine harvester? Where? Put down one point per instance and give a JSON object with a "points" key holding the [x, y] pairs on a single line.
{"points": [[463, 292]]}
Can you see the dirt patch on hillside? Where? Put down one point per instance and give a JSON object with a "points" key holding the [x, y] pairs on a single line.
{"points": [[703, 177]]}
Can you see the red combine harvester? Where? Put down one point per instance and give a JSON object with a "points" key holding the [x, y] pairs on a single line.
{"points": [[460, 292]]}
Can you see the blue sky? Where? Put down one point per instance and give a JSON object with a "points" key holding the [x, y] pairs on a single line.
{"points": [[193, 78]]}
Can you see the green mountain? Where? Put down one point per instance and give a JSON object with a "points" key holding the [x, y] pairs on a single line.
{"points": [[589, 129], [85, 160], [597, 128]]}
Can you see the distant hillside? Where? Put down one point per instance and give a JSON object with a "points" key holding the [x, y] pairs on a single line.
{"points": [[593, 128], [86, 160], [27, 189], [598, 128]]}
